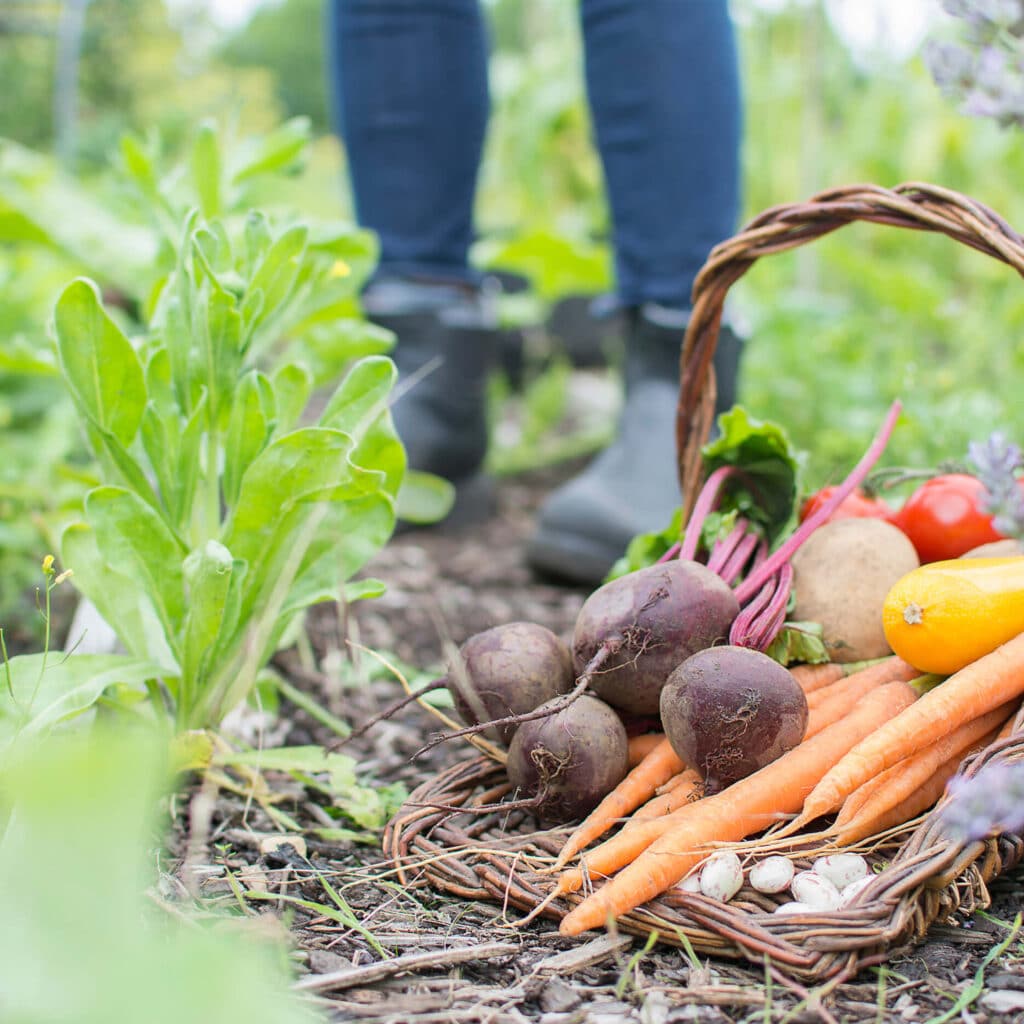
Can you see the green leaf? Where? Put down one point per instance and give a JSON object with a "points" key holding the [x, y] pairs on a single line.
{"points": [[276, 274], [87, 809], [276, 151], [99, 364], [293, 385], [205, 165], [51, 688], [120, 600], [763, 451], [799, 642], [249, 429], [366, 525], [208, 576], [424, 498], [136, 543]]}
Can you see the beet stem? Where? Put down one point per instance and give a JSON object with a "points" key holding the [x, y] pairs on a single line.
{"points": [[706, 502], [730, 572], [724, 548], [753, 583]]}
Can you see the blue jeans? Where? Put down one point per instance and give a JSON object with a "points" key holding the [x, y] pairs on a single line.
{"points": [[411, 98]]}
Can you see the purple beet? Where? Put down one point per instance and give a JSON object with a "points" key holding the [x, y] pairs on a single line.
{"points": [[728, 711]]}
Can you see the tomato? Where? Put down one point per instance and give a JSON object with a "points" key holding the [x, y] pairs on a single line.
{"points": [[856, 505], [943, 517]]}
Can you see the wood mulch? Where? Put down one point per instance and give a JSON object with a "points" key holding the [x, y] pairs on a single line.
{"points": [[368, 948]]}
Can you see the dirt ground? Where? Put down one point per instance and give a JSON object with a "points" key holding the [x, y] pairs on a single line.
{"points": [[369, 948]]}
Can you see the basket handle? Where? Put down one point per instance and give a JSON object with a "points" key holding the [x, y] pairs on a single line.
{"points": [[912, 205]]}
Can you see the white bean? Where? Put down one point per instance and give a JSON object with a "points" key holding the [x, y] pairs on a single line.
{"points": [[841, 868], [815, 890], [850, 891], [721, 877], [691, 883], [773, 874]]}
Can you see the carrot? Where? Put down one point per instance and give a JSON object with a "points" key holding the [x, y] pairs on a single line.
{"points": [[660, 765], [976, 689], [873, 674], [814, 677], [907, 809], [640, 746], [872, 801], [679, 790], [676, 780], [742, 809], [841, 698]]}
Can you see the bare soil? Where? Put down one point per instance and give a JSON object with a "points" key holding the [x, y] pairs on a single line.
{"points": [[371, 949]]}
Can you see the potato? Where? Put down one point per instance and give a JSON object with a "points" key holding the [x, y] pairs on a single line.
{"points": [[841, 575], [997, 549]]}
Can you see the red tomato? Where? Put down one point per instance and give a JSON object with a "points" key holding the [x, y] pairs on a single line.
{"points": [[856, 505], [943, 517]]}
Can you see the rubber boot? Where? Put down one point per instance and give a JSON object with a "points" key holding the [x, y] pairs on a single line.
{"points": [[632, 486], [444, 349]]}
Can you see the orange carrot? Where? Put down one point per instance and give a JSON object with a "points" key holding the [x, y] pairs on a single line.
{"points": [[976, 689], [877, 797], [660, 765], [640, 746], [745, 807], [814, 677], [873, 674], [907, 809], [842, 697], [676, 780], [679, 790]]}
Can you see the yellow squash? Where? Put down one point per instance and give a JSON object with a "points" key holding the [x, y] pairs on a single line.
{"points": [[945, 615]]}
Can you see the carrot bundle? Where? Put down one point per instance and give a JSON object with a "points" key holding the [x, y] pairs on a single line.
{"points": [[863, 679], [975, 690], [867, 808], [746, 807], [841, 698], [660, 765]]}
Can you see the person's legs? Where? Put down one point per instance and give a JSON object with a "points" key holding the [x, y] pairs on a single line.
{"points": [[663, 84], [411, 104]]}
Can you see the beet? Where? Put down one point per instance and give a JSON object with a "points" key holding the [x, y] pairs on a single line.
{"points": [[728, 711], [505, 671], [646, 623], [570, 759]]}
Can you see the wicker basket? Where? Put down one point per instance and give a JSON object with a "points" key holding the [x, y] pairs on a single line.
{"points": [[922, 876]]}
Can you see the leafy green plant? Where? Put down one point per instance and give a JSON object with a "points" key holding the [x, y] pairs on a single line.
{"points": [[79, 881], [219, 514]]}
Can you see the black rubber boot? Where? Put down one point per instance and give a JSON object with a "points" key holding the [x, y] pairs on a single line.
{"points": [[445, 344], [632, 486]]}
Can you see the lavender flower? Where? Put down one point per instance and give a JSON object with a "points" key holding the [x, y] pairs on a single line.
{"points": [[987, 804], [983, 67], [995, 463]]}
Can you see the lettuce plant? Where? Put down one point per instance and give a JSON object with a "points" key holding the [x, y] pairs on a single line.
{"points": [[223, 508]]}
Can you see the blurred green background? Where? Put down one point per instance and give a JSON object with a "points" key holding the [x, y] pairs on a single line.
{"points": [[835, 92]]}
